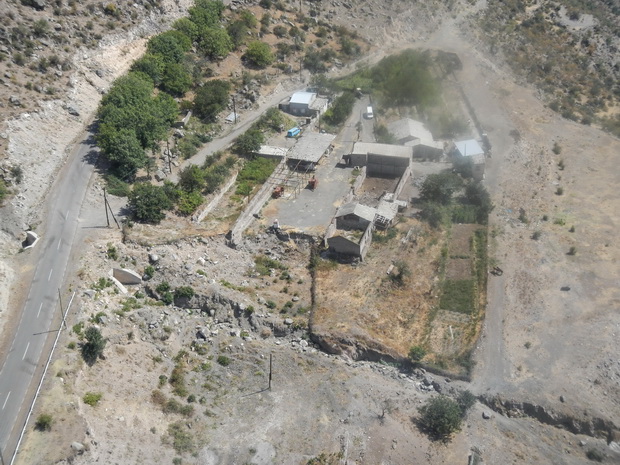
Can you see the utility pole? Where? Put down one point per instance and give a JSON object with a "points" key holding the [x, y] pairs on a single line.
{"points": [[61, 312], [270, 360], [169, 155], [301, 60], [105, 205], [234, 109]]}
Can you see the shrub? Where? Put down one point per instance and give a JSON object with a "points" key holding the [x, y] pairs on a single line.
{"points": [[259, 54], [465, 400], [572, 250], [417, 353], [117, 187], [92, 349], [536, 235], [559, 191], [557, 149], [223, 360], [92, 398], [595, 455], [44, 422], [182, 440], [184, 292], [149, 271], [440, 187], [441, 416]]}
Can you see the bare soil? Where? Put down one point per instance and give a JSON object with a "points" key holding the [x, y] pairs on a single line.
{"points": [[324, 403]]}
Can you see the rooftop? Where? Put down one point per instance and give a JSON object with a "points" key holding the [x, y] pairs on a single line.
{"points": [[304, 98], [407, 127], [367, 213], [272, 151], [364, 148], [311, 147], [469, 148]]}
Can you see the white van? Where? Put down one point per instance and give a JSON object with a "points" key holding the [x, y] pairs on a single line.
{"points": [[369, 114]]}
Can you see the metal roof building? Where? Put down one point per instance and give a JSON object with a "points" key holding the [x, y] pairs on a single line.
{"points": [[311, 147]]}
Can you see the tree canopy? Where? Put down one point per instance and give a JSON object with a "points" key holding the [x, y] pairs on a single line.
{"points": [[249, 142], [440, 187], [128, 113], [171, 45], [405, 79], [92, 349], [259, 54], [206, 13], [441, 416], [211, 99], [215, 42], [148, 202]]}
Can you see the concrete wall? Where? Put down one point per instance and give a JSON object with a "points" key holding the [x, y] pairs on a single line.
{"points": [[403, 181], [344, 246], [366, 240], [359, 180], [351, 222]]}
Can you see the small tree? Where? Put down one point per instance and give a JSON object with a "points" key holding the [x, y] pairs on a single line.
{"points": [[259, 54], [148, 202], [440, 187], [441, 416], [92, 349], [249, 142]]}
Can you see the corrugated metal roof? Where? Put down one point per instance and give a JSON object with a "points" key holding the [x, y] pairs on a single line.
{"points": [[387, 209], [272, 151], [303, 98], [469, 148], [363, 211], [311, 147], [364, 148]]}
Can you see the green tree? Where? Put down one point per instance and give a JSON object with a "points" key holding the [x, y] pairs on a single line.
{"points": [[440, 187], [259, 54], [248, 19], [249, 142], [341, 109], [238, 31], [171, 45], [187, 27], [92, 349], [215, 43], [476, 194], [122, 149], [151, 65], [211, 99], [206, 13], [191, 178], [441, 416], [465, 400], [176, 80], [148, 202]]}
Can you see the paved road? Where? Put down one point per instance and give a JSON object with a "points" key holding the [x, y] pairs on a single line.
{"points": [[41, 309]]}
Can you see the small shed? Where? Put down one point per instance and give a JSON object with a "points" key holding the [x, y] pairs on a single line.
{"points": [[301, 102], [414, 134], [270, 151], [354, 216], [470, 155]]}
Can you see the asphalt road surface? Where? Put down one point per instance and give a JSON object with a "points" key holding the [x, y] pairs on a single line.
{"points": [[42, 308]]}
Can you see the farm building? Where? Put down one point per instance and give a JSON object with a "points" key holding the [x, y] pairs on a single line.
{"points": [[414, 134], [354, 216], [304, 104], [469, 156], [310, 148], [380, 159]]}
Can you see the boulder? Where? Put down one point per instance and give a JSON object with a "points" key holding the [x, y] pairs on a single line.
{"points": [[78, 447], [125, 276]]}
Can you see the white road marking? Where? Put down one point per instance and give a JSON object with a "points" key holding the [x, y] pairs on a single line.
{"points": [[40, 307], [59, 242], [5, 400], [26, 351], [50, 275]]}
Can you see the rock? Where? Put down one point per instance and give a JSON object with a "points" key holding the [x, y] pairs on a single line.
{"points": [[160, 175], [201, 335], [153, 258], [303, 343], [295, 299], [99, 73], [72, 110], [485, 415], [427, 380], [78, 447], [13, 100], [201, 261], [288, 321], [562, 399], [582, 443], [39, 5], [178, 133]]}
